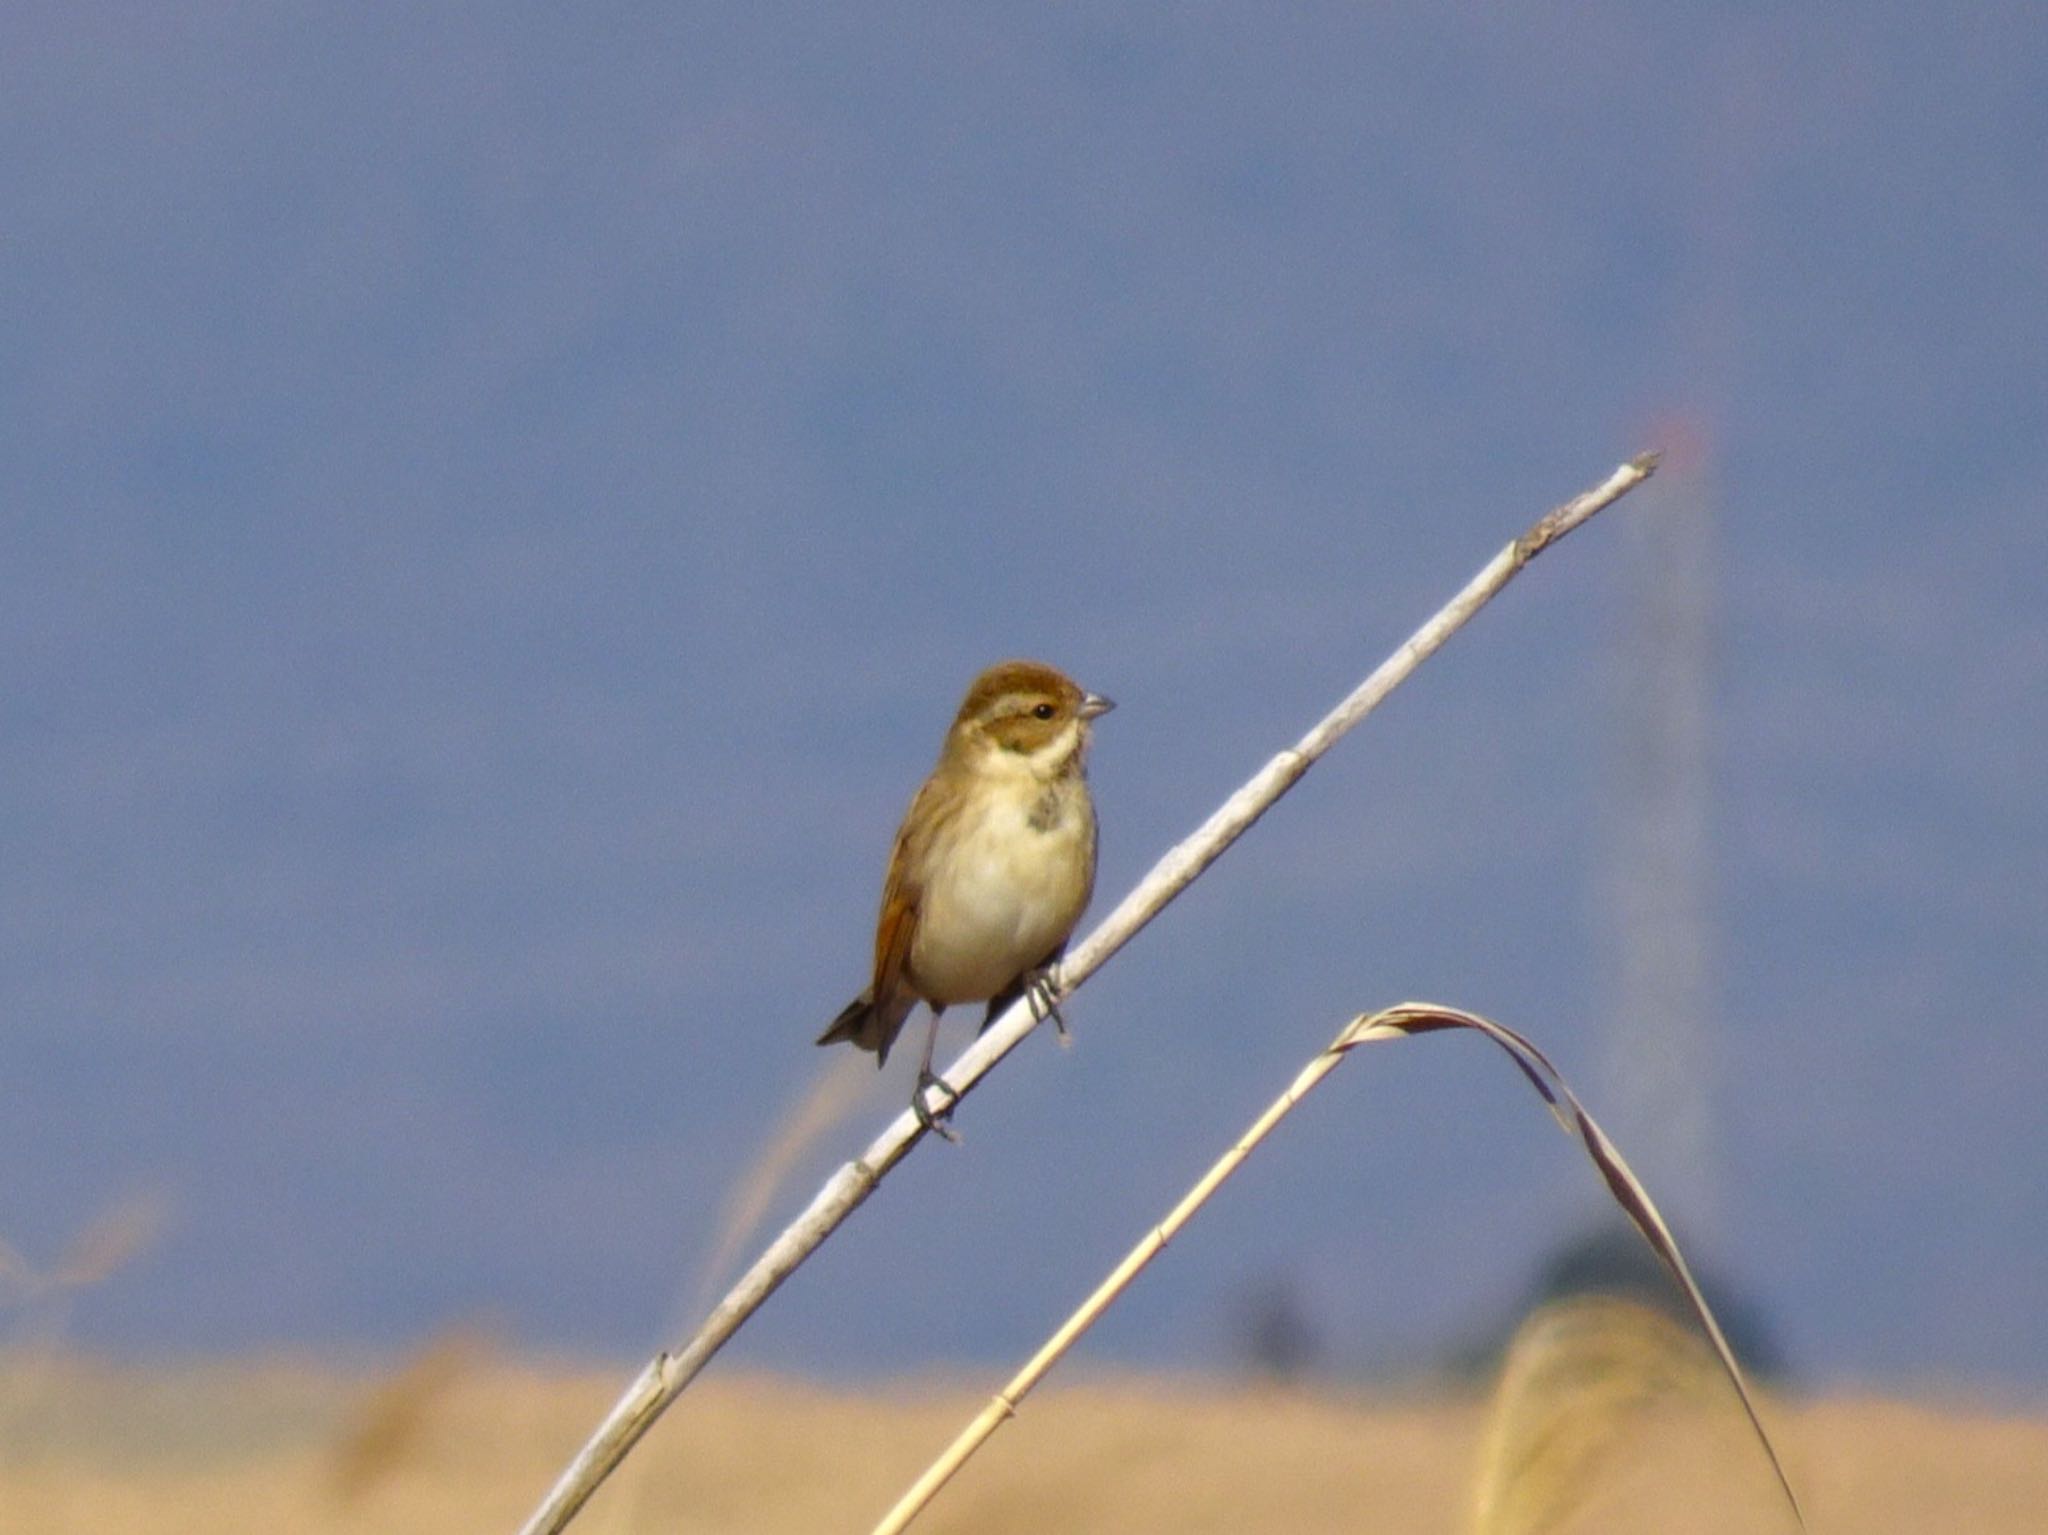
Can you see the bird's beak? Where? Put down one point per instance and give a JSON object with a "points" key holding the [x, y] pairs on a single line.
{"points": [[1093, 704]]}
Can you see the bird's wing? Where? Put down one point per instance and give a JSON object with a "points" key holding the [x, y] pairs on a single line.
{"points": [[903, 890], [892, 943]]}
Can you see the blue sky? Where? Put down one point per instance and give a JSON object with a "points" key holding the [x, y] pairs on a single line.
{"points": [[500, 508]]}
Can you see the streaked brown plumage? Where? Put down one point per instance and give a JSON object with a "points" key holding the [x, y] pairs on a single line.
{"points": [[994, 862]]}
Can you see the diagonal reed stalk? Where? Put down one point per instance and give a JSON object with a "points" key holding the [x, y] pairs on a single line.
{"points": [[1406, 1020], [668, 1374]]}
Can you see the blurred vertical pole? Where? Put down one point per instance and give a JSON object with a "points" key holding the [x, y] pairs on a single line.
{"points": [[1660, 1060], [1664, 1053]]}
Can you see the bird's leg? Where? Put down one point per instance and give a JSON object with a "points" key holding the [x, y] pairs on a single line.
{"points": [[934, 1121]]}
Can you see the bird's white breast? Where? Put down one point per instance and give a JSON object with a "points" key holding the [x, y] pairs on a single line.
{"points": [[1007, 890]]}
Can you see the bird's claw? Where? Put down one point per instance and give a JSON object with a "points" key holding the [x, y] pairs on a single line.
{"points": [[931, 1119], [1044, 998]]}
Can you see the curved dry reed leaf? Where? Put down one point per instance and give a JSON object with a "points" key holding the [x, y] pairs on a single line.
{"points": [[1412, 1018]]}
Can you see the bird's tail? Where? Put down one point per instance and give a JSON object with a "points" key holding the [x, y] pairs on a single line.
{"points": [[869, 1025]]}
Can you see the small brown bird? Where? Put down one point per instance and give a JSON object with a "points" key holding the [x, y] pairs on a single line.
{"points": [[993, 865]]}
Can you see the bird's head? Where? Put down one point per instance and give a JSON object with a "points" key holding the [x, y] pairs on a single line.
{"points": [[1030, 710]]}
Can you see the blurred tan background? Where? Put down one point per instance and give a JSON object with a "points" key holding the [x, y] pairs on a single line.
{"points": [[281, 1446]]}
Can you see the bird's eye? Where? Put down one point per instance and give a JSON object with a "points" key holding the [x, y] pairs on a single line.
{"points": [[1042, 712]]}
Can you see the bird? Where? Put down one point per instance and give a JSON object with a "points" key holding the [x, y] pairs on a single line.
{"points": [[992, 867]]}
